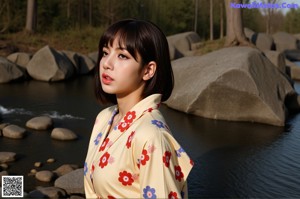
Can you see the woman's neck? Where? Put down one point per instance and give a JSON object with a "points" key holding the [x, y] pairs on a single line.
{"points": [[126, 103]]}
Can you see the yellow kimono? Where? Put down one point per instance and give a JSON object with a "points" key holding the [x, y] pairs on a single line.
{"points": [[138, 159]]}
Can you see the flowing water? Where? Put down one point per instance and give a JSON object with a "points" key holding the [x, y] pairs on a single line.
{"points": [[236, 160]]}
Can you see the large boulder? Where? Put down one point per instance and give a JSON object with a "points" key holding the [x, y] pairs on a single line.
{"points": [[40, 123], [277, 58], [7, 157], [20, 58], [263, 41], [184, 44], [63, 134], [9, 71], [13, 131], [234, 84], [49, 65], [83, 64], [293, 70], [285, 41], [72, 182]]}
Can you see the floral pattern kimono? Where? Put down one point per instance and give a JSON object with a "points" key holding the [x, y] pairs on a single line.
{"points": [[139, 158]]}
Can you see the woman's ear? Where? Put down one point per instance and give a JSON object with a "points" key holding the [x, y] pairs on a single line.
{"points": [[149, 70]]}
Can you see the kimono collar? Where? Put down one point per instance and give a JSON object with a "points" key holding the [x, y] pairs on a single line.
{"points": [[146, 105]]}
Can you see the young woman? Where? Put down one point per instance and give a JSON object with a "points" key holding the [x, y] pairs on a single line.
{"points": [[132, 153]]}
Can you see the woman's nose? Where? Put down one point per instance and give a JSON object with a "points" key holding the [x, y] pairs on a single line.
{"points": [[107, 62]]}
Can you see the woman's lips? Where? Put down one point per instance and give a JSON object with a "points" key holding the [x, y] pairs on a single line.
{"points": [[106, 79]]}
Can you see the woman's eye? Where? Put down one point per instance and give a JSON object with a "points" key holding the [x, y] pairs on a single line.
{"points": [[104, 54], [123, 56]]}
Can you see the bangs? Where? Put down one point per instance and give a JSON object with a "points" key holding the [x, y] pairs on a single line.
{"points": [[127, 39]]}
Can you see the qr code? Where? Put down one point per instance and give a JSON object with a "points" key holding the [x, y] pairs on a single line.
{"points": [[12, 186]]}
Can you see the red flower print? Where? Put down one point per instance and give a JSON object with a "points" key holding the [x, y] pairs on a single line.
{"points": [[191, 162], [172, 195], [178, 173], [144, 157], [150, 110], [104, 160], [129, 117], [123, 126], [111, 197], [166, 158], [128, 144], [125, 178], [104, 144]]}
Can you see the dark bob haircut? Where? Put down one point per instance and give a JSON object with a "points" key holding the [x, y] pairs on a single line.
{"points": [[147, 40]]}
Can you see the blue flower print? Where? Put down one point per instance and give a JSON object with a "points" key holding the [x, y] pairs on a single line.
{"points": [[179, 151], [112, 117], [149, 193], [85, 170], [159, 124], [97, 139]]}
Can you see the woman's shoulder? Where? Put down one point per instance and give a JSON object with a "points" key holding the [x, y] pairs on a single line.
{"points": [[151, 125]]}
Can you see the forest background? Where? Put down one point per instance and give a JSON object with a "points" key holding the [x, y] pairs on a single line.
{"points": [[77, 24]]}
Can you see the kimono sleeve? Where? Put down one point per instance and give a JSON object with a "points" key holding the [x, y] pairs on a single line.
{"points": [[164, 168]]}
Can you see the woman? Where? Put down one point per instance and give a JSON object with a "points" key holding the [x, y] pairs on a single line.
{"points": [[132, 153]]}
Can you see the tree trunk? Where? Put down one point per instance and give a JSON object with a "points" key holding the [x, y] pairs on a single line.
{"points": [[196, 15], [234, 26], [211, 19], [31, 17], [221, 20]]}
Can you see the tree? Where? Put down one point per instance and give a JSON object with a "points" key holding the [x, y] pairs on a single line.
{"points": [[31, 18], [234, 25], [269, 12], [211, 19], [221, 20]]}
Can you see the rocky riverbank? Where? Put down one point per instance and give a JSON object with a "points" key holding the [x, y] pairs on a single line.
{"points": [[67, 179]]}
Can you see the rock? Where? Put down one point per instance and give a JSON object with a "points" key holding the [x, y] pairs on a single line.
{"points": [[294, 70], [94, 56], [63, 134], [249, 33], [292, 55], [7, 157], [14, 132], [49, 65], [4, 166], [71, 182], [48, 192], [234, 84], [184, 44], [83, 64], [284, 41], [33, 171], [40, 123], [37, 164], [50, 160], [20, 58], [44, 176], [64, 169], [277, 58], [263, 41], [9, 71], [2, 127]]}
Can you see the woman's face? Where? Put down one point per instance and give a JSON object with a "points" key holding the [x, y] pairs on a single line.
{"points": [[120, 73]]}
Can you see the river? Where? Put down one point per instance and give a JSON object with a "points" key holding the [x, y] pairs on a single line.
{"points": [[232, 159]]}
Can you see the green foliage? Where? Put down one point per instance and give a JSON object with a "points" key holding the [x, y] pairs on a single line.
{"points": [[292, 21]]}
